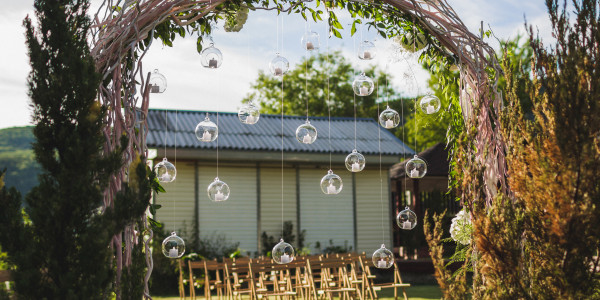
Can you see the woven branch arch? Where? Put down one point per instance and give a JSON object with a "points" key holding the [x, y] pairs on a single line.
{"points": [[121, 25]]}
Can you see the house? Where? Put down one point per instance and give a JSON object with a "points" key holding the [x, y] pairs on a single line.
{"points": [[250, 162]]}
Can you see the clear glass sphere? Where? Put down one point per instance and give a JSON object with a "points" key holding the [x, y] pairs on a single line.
{"points": [[430, 104], [306, 133], [279, 65], [173, 246], [157, 82], [331, 184], [249, 114], [211, 57], [416, 167], [355, 162], [283, 253], [367, 50], [406, 219], [165, 171], [383, 258], [310, 41], [389, 118], [218, 190], [363, 85], [207, 131]]}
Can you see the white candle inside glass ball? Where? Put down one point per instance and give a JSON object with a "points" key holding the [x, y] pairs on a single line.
{"points": [[310, 46], [206, 136], [364, 91], [414, 173], [278, 72], [154, 88], [165, 177], [306, 139], [173, 253], [430, 109], [389, 124], [382, 264], [331, 189], [285, 259], [367, 55], [212, 63], [406, 225], [355, 167], [250, 119], [219, 196]]}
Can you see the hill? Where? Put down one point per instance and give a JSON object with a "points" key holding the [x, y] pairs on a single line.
{"points": [[18, 159]]}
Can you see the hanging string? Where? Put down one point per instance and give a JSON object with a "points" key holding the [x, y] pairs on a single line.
{"points": [[166, 130], [176, 129], [380, 180], [327, 99], [282, 77], [218, 144], [354, 94]]}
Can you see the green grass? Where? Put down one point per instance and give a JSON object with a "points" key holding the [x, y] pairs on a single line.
{"points": [[417, 292]]}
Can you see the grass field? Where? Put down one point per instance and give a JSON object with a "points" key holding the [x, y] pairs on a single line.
{"points": [[417, 292]]}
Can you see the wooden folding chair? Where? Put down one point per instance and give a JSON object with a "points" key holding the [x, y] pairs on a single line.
{"points": [[372, 288], [238, 274], [329, 270], [270, 279], [216, 284], [193, 265]]}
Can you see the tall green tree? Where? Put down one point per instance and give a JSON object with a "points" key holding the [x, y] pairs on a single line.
{"points": [[312, 78], [63, 251]]}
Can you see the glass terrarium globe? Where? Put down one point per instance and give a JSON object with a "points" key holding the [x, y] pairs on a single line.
{"points": [[310, 41], [430, 104], [207, 131], [283, 253], [306, 133], [363, 85], [218, 190], [355, 162], [249, 114], [383, 258], [279, 65], [416, 167], [211, 57], [173, 246], [389, 118], [406, 219], [367, 50], [157, 82], [165, 171], [331, 184]]}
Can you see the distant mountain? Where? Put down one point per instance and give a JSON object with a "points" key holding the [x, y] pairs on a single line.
{"points": [[17, 157]]}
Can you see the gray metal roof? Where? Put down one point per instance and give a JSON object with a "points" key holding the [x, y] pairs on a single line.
{"points": [[266, 134]]}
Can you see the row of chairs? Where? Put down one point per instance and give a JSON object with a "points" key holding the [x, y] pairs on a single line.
{"points": [[346, 276]]}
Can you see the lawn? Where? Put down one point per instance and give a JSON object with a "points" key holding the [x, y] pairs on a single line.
{"points": [[417, 292]]}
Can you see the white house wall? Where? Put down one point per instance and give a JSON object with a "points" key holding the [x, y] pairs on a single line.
{"points": [[326, 217], [177, 212], [236, 217], [270, 200], [369, 211]]}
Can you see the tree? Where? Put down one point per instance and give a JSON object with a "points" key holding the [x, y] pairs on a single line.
{"points": [[309, 80], [62, 250]]}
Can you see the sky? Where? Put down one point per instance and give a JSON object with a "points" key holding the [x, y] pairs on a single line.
{"points": [[192, 87]]}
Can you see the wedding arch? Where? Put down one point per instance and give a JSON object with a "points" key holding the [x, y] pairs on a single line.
{"points": [[123, 31]]}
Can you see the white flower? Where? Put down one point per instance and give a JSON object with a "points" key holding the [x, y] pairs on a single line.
{"points": [[461, 228]]}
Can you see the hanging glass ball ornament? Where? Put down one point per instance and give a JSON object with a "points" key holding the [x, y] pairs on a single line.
{"points": [[363, 85], [173, 246], [283, 253], [389, 118], [310, 41], [165, 171], [306, 133], [416, 167], [430, 104], [355, 162], [207, 131], [279, 65], [383, 258], [211, 57], [367, 50], [331, 184], [157, 82], [249, 114], [218, 191], [406, 219]]}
